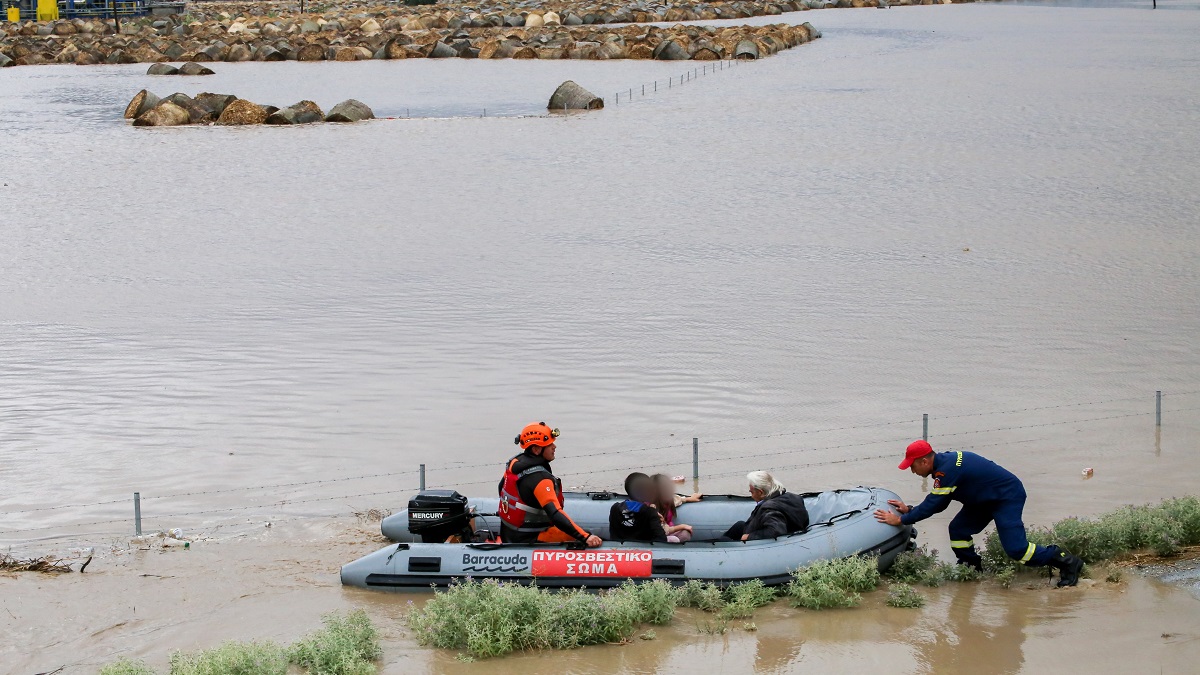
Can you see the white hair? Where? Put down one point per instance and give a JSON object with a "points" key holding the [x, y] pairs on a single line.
{"points": [[761, 480]]}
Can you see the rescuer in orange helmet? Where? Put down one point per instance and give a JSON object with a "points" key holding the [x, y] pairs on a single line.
{"points": [[531, 499]]}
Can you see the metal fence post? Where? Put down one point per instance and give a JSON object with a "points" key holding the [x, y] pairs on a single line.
{"points": [[1158, 409], [925, 427], [422, 477], [137, 513], [695, 458]]}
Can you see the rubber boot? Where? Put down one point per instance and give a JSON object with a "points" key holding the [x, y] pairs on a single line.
{"points": [[969, 557], [1069, 566]]}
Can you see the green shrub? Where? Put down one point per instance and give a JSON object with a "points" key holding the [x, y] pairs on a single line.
{"points": [[232, 658], [701, 595], [1186, 512], [915, 567], [489, 618], [127, 667], [833, 583], [656, 600], [345, 646], [903, 595], [741, 599]]}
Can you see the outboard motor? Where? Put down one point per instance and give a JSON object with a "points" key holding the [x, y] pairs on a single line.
{"points": [[437, 515]]}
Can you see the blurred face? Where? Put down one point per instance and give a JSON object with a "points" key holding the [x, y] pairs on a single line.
{"points": [[757, 494], [642, 490], [922, 466], [546, 452]]}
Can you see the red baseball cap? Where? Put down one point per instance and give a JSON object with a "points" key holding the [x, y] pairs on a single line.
{"points": [[916, 450]]}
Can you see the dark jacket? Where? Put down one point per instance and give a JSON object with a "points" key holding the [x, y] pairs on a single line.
{"points": [[634, 521], [968, 478], [776, 516]]}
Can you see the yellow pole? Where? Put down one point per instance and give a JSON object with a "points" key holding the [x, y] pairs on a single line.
{"points": [[47, 10]]}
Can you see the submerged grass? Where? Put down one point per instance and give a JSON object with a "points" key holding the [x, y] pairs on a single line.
{"points": [[345, 646], [903, 595], [233, 658], [127, 667], [488, 618], [922, 567], [833, 583]]}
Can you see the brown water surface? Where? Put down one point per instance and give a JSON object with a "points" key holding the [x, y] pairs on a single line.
{"points": [[986, 213]]}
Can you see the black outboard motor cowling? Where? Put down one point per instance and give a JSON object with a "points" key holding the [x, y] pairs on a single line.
{"points": [[436, 515]]}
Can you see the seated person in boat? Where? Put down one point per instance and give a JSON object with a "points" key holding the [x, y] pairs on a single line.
{"points": [[779, 512], [531, 499], [668, 501], [635, 519]]}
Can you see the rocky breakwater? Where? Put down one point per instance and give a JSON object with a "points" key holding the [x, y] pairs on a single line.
{"points": [[148, 110], [267, 40]]}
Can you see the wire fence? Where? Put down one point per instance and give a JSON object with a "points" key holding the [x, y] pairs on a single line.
{"points": [[448, 472]]}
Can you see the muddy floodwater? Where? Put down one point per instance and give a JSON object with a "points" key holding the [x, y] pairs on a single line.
{"points": [[987, 213]]}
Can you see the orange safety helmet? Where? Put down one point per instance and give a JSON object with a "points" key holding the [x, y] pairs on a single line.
{"points": [[536, 434]]}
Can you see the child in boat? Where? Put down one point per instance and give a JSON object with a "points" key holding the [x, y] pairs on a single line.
{"points": [[636, 519], [667, 501]]}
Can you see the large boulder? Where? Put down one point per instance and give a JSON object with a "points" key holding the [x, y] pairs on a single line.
{"points": [[571, 96], [350, 110], [215, 103], [441, 50], [670, 50], [193, 68], [197, 113], [242, 112], [142, 102], [5, 61], [165, 114], [162, 69], [304, 112], [746, 50]]}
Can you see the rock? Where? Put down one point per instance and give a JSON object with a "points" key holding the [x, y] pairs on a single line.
{"points": [[310, 27], [197, 113], [572, 20], [350, 110], [241, 112], [142, 101], [394, 49], [165, 114], [5, 62], [304, 112], [215, 103], [238, 53], [534, 21], [551, 19], [812, 31], [571, 96], [311, 52], [370, 26], [670, 50], [269, 53], [193, 68], [441, 50], [746, 49]]}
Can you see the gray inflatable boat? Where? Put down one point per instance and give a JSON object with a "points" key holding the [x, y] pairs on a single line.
{"points": [[842, 524]]}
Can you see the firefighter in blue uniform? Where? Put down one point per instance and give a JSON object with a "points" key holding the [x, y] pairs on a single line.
{"points": [[988, 492]]}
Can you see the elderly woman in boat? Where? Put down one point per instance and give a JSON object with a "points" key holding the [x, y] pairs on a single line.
{"points": [[779, 512]]}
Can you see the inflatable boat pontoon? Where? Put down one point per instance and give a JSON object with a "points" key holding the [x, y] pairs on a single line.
{"points": [[842, 524]]}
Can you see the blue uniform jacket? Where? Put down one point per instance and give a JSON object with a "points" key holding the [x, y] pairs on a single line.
{"points": [[968, 478]]}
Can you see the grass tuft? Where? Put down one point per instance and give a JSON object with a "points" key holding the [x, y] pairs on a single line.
{"points": [[742, 599], [488, 618], [232, 658], [127, 667], [833, 583], [701, 595], [903, 595], [345, 646]]}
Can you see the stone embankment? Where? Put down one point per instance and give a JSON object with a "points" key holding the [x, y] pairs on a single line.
{"points": [[148, 110], [679, 42], [352, 31]]}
